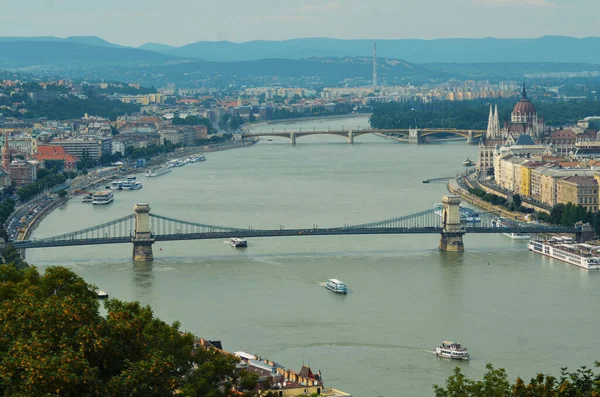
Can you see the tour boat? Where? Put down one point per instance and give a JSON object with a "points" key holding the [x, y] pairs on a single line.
{"points": [[201, 158], [452, 350], [101, 294], [566, 249], [468, 162], [466, 214], [502, 223], [336, 285], [131, 178], [238, 242], [103, 197], [116, 185], [87, 198], [127, 185], [158, 171]]}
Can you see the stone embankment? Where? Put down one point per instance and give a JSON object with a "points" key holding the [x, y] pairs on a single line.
{"points": [[455, 188], [26, 231]]}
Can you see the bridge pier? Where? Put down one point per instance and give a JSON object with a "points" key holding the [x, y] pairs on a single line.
{"points": [[413, 136], [350, 137], [452, 235], [586, 234], [293, 138], [142, 239]]}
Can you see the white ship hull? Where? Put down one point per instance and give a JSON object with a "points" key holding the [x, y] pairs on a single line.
{"points": [[563, 255], [238, 242], [450, 354], [518, 236], [157, 172], [102, 202]]}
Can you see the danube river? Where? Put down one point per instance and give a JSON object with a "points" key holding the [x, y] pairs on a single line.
{"points": [[510, 307]]}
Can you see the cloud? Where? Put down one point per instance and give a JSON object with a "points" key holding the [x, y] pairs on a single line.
{"points": [[514, 3], [332, 5]]}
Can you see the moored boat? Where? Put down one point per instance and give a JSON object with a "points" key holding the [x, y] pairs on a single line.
{"points": [[566, 249], [158, 171], [101, 294], [453, 350], [505, 223], [335, 285], [238, 242], [87, 198], [103, 197], [467, 215]]}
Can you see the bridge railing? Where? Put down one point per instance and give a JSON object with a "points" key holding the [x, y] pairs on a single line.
{"points": [[163, 226], [122, 227], [421, 219]]}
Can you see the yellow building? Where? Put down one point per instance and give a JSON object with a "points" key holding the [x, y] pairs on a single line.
{"points": [[578, 190]]}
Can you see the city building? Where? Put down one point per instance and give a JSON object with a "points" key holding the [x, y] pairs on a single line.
{"points": [[22, 172], [55, 153], [523, 121], [274, 378], [581, 190], [78, 146]]}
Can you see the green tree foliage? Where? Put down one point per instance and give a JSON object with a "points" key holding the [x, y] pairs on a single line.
{"points": [[11, 256], [54, 342], [195, 120], [7, 207], [74, 108], [473, 114], [514, 205], [569, 214], [495, 383], [151, 151], [213, 140], [85, 161], [28, 191]]}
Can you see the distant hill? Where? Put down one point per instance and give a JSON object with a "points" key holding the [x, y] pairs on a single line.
{"points": [[544, 49], [90, 40], [66, 54], [315, 72]]}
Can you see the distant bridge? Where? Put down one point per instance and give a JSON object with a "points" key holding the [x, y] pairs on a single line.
{"points": [[142, 229], [411, 135]]}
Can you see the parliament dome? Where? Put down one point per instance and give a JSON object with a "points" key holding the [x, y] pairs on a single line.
{"points": [[524, 110]]}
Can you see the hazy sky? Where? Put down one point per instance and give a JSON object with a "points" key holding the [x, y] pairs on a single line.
{"points": [[178, 22]]}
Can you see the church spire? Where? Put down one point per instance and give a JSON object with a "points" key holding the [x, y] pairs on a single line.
{"points": [[490, 125], [496, 123], [524, 92]]}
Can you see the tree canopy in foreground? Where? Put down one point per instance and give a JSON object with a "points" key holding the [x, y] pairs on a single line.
{"points": [[582, 383], [54, 342]]}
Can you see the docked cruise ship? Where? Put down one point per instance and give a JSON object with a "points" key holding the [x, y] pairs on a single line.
{"points": [[103, 197], [158, 171], [503, 223], [466, 214], [452, 350], [567, 250]]}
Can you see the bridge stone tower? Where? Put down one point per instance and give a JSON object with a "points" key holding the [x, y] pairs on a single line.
{"points": [[142, 239], [470, 137], [293, 138], [452, 235], [350, 136], [413, 136]]}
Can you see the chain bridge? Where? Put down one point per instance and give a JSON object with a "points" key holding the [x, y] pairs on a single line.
{"points": [[410, 135], [142, 229]]}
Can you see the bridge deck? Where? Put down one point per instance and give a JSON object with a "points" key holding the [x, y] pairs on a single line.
{"points": [[251, 233]]}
